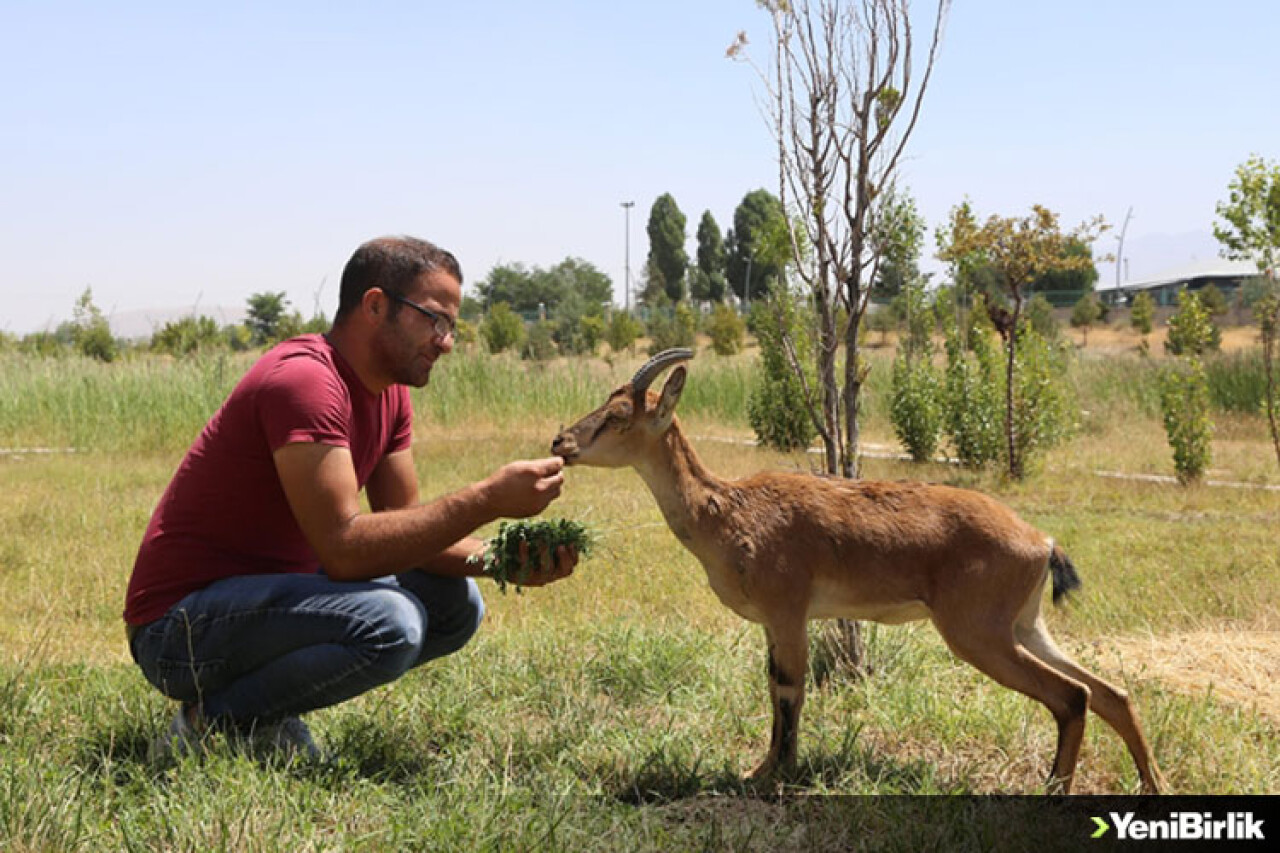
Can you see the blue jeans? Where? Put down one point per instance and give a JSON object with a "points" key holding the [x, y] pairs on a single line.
{"points": [[262, 647]]}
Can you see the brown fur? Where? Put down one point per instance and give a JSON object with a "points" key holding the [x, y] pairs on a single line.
{"points": [[781, 549]]}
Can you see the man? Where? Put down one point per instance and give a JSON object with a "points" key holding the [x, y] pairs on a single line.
{"points": [[262, 590]]}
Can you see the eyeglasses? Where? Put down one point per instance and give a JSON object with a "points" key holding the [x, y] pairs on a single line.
{"points": [[444, 327]]}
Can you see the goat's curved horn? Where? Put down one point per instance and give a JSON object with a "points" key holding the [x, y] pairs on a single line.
{"points": [[650, 369]]}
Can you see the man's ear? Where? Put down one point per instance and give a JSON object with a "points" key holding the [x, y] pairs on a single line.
{"points": [[670, 396], [374, 302]]}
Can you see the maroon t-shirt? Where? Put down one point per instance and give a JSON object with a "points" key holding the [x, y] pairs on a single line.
{"points": [[225, 513]]}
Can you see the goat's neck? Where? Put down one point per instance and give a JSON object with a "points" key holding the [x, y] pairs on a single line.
{"points": [[680, 483]]}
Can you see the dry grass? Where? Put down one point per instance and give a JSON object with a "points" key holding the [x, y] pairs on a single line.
{"points": [[1237, 666]]}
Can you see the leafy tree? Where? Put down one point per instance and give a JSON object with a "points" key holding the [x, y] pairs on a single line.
{"points": [[514, 285], [1078, 277], [90, 332], [1213, 300], [188, 335], [266, 313], [707, 282], [1022, 250], [1085, 313], [1191, 329], [1267, 311], [502, 328], [1142, 314], [667, 255], [1250, 229], [527, 290], [726, 329], [1184, 404], [899, 238], [756, 222], [1184, 388]]}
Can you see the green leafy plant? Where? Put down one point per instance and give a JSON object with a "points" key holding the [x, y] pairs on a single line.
{"points": [[917, 408], [727, 330], [973, 390], [1191, 328], [776, 406], [501, 559], [1184, 402], [502, 329]]}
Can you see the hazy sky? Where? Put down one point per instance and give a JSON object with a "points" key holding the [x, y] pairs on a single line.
{"points": [[169, 154]]}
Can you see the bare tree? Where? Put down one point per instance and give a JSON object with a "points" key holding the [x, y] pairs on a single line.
{"points": [[845, 91]]}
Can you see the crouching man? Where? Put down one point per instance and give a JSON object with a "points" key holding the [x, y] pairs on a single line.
{"points": [[262, 589]]}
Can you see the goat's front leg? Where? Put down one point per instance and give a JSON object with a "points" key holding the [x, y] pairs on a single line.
{"points": [[788, 646]]}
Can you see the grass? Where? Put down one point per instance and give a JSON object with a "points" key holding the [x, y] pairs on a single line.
{"points": [[618, 709]]}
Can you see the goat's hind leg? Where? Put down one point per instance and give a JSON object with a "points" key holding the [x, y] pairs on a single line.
{"points": [[1109, 702], [993, 651], [788, 662]]}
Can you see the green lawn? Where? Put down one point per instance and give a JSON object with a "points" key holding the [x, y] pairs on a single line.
{"points": [[618, 709]]}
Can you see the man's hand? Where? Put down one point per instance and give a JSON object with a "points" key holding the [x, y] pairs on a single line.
{"points": [[524, 488], [540, 569]]}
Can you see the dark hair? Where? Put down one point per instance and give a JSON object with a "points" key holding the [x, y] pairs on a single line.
{"points": [[392, 264]]}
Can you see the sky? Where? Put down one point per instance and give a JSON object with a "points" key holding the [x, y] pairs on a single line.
{"points": [[185, 156]]}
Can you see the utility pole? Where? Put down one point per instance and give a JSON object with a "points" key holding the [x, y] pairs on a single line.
{"points": [[1120, 251], [626, 208]]}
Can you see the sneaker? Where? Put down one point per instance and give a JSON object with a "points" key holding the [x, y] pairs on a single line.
{"points": [[288, 736], [184, 736]]}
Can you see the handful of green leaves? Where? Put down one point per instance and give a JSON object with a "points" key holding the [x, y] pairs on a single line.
{"points": [[501, 560]]}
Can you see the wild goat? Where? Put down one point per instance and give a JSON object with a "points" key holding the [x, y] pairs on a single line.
{"points": [[783, 548]]}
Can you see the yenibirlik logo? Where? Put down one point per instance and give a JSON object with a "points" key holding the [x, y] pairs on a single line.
{"points": [[1182, 826]]}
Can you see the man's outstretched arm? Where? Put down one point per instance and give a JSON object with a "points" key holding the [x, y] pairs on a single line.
{"points": [[320, 483]]}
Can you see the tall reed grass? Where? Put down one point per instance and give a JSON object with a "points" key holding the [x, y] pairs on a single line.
{"points": [[159, 404]]}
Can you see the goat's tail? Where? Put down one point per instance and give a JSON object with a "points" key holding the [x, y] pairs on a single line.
{"points": [[1065, 579]]}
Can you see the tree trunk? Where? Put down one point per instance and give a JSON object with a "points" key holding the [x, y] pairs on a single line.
{"points": [[840, 651], [1015, 458], [1271, 329]]}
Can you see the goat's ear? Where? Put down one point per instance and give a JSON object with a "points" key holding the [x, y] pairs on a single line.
{"points": [[670, 396]]}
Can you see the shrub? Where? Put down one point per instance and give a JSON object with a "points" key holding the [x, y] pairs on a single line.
{"points": [[727, 330], [1142, 315], [622, 331], [1039, 315], [776, 407], [188, 335], [539, 343], [672, 328], [502, 329], [972, 398], [1184, 402], [1043, 400], [916, 408]]}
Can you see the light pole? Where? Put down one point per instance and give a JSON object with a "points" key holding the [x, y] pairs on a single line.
{"points": [[626, 209]]}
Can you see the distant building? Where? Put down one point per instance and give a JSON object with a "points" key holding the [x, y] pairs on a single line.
{"points": [[1227, 276]]}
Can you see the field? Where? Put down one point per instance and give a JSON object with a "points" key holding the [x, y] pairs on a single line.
{"points": [[618, 709]]}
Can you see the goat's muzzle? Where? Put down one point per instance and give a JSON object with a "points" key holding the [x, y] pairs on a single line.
{"points": [[565, 446]]}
